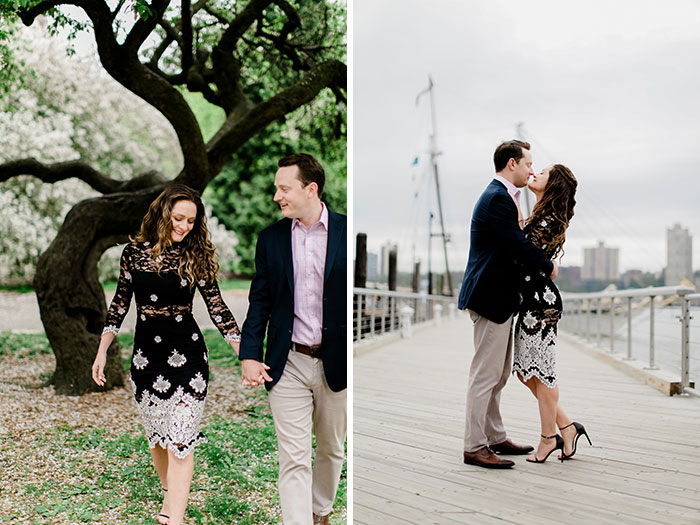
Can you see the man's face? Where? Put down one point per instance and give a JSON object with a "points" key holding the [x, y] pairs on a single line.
{"points": [[293, 198], [523, 169]]}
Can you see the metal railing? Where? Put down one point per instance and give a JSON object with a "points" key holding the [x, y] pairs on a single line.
{"points": [[584, 315], [377, 312]]}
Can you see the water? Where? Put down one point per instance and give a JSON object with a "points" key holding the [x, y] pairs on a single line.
{"points": [[667, 338]]}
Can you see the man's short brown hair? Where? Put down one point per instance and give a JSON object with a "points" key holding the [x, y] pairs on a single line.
{"points": [[310, 170], [510, 149]]}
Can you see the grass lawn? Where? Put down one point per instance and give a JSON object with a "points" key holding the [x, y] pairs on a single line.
{"points": [[69, 460]]}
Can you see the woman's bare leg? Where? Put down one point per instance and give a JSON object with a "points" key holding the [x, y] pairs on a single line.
{"points": [[160, 460], [179, 479]]}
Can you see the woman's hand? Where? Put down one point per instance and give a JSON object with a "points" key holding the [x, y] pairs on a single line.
{"points": [[236, 345], [98, 368]]}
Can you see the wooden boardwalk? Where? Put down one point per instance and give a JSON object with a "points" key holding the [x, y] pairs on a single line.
{"points": [[409, 411]]}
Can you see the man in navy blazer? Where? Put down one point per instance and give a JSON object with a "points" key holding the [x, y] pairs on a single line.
{"points": [[490, 294], [298, 296]]}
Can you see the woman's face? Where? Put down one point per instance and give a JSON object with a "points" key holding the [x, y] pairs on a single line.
{"points": [[539, 182], [182, 215]]}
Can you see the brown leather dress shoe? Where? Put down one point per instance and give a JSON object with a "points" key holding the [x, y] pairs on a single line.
{"points": [[484, 457], [508, 447], [322, 520]]}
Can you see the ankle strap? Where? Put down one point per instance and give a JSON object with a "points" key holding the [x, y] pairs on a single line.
{"points": [[547, 437], [567, 426]]}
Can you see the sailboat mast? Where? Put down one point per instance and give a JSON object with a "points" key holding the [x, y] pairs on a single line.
{"points": [[433, 157]]}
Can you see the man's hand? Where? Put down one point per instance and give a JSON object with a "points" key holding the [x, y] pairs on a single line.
{"points": [[555, 271], [254, 372]]}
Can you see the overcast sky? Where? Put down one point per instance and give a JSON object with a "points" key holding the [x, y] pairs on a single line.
{"points": [[611, 89]]}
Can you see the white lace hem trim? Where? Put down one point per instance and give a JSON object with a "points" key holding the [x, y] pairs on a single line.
{"points": [[110, 329], [168, 444], [232, 338]]}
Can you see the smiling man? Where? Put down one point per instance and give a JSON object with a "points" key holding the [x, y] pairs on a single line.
{"points": [[298, 295]]}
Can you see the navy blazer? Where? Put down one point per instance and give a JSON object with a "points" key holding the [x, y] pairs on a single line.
{"points": [[491, 280], [271, 302]]}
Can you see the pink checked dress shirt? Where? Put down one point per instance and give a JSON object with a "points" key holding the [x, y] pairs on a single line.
{"points": [[309, 257]]}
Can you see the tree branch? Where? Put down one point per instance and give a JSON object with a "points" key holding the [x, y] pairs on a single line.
{"points": [[235, 132], [143, 27], [241, 24], [186, 46], [60, 171]]}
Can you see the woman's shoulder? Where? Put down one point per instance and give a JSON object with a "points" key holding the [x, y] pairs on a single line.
{"points": [[135, 247]]}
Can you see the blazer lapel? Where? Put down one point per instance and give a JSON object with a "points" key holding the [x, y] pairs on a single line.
{"points": [[334, 235]]}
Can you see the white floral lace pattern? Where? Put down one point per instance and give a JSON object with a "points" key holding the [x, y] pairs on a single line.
{"points": [[172, 423], [161, 384], [140, 361], [176, 359], [111, 329], [533, 356], [198, 383], [232, 338]]}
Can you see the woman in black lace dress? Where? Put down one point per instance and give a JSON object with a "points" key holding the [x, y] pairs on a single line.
{"points": [[541, 309], [170, 257]]}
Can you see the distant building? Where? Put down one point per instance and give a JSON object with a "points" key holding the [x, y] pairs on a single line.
{"points": [[600, 263], [679, 255], [384, 258], [630, 276], [372, 273]]}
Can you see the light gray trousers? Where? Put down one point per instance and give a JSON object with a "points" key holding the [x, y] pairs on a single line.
{"points": [[489, 372]]}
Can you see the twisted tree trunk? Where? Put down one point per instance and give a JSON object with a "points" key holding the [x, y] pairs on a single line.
{"points": [[71, 299]]}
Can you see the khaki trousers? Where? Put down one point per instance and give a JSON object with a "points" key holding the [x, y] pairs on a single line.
{"points": [[300, 398], [489, 372]]}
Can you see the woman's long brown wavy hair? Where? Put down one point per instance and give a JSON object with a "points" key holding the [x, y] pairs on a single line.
{"points": [[198, 257], [556, 206]]}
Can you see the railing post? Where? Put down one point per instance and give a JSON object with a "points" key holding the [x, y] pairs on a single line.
{"points": [[651, 334], [405, 323], [589, 313], [612, 325], [629, 328], [600, 322], [373, 315], [437, 309], [356, 329], [685, 343]]}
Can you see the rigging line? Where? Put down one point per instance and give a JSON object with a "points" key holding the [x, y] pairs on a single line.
{"points": [[596, 200], [413, 215]]}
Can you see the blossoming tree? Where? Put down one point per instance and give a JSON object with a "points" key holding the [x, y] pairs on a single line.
{"points": [[258, 60]]}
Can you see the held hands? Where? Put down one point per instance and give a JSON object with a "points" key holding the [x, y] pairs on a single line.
{"points": [[98, 368], [254, 372], [555, 271]]}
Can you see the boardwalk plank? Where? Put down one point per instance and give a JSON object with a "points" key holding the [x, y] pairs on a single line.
{"points": [[409, 403]]}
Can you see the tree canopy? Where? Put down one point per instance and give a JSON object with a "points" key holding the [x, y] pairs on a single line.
{"points": [[259, 61]]}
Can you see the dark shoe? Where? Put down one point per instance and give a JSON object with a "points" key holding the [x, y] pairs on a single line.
{"points": [[508, 447], [321, 520], [580, 430], [484, 457], [558, 444]]}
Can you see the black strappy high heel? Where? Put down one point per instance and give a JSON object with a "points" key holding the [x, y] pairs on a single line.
{"points": [[559, 445], [163, 519], [580, 430]]}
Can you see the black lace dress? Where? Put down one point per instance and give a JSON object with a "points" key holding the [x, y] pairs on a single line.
{"points": [[169, 367], [540, 311]]}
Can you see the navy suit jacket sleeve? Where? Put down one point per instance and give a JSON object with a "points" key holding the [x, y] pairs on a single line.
{"points": [[511, 237], [260, 306]]}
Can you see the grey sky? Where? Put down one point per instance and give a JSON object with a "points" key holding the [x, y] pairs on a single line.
{"points": [[610, 89]]}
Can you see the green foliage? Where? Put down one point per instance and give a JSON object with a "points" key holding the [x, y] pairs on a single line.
{"points": [[241, 196]]}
